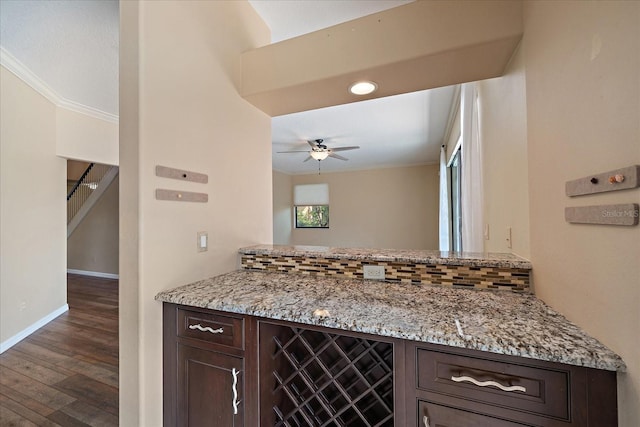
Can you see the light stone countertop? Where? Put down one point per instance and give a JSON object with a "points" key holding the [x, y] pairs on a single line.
{"points": [[471, 259], [498, 322]]}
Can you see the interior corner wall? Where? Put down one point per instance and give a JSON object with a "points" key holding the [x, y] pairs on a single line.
{"points": [[395, 208], [189, 115], [93, 246], [583, 117], [503, 135], [129, 375], [82, 137], [32, 212], [282, 208]]}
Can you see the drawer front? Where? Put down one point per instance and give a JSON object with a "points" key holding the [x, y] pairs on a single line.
{"points": [[496, 384], [211, 327], [432, 415]]}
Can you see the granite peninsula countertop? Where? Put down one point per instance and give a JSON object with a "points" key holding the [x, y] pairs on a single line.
{"points": [[498, 322], [472, 259]]}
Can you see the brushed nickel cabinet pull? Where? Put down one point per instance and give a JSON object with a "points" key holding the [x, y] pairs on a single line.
{"points": [[488, 383], [206, 329], [234, 389], [425, 420]]}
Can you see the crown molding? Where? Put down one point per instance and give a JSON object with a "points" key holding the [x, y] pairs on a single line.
{"points": [[21, 71]]}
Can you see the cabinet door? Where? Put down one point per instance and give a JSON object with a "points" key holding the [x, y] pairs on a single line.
{"points": [[431, 415], [210, 388]]}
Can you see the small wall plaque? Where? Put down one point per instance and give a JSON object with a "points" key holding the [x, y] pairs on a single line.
{"points": [[623, 214], [180, 174], [619, 179], [181, 196]]}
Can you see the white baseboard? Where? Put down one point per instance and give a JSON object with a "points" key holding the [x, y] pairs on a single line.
{"points": [[4, 346], [93, 274]]}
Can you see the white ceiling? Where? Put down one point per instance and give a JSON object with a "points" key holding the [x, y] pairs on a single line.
{"points": [[72, 46], [400, 130]]}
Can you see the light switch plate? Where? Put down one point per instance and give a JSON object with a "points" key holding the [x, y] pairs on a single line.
{"points": [[203, 241]]}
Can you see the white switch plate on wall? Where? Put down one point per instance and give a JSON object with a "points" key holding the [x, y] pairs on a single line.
{"points": [[203, 241]]}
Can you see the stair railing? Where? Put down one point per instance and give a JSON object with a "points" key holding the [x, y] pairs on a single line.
{"points": [[84, 187]]}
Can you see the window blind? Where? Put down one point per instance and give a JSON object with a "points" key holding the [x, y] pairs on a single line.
{"points": [[311, 194]]}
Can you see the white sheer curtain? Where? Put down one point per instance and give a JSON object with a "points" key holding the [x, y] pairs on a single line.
{"points": [[444, 216], [471, 198]]}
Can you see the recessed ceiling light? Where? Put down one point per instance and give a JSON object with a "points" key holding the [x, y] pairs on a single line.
{"points": [[363, 88]]}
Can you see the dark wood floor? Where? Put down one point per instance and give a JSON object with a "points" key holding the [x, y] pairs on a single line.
{"points": [[66, 373]]}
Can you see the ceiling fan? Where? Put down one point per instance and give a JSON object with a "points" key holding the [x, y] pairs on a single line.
{"points": [[320, 151]]}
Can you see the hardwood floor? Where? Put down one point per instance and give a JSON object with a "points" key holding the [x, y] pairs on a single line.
{"points": [[66, 373]]}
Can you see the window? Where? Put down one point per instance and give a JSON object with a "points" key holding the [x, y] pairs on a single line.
{"points": [[311, 205], [312, 216]]}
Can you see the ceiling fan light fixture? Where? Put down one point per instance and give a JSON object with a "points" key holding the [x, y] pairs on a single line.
{"points": [[319, 155], [363, 88]]}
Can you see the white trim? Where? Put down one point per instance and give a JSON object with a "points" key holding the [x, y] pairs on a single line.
{"points": [[21, 71], [455, 150], [453, 112], [6, 345], [93, 274]]}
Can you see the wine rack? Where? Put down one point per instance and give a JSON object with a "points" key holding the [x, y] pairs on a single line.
{"points": [[319, 379]]}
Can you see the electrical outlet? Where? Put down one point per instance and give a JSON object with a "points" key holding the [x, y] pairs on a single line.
{"points": [[375, 272], [23, 305]]}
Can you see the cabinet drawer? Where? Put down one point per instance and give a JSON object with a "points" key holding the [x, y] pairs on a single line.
{"points": [[211, 327], [530, 389], [432, 415]]}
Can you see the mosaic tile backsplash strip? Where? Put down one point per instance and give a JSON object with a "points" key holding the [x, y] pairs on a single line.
{"points": [[458, 276]]}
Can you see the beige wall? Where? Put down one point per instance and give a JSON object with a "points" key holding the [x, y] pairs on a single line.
{"points": [[75, 169], [583, 117], [93, 246], [282, 211], [33, 212], [82, 137], [129, 227], [503, 134], [191, 117], [382, 208]]}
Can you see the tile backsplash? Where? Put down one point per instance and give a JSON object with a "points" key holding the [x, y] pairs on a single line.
{"points": [[478, 276]]}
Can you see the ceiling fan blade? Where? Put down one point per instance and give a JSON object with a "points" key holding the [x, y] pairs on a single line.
{"points": [[307, 159], [293, 151], [353, 147], [337, 156], [313, 144]]}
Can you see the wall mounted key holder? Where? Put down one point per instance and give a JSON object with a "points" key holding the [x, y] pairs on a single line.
{"points": [[181, 174], [619, 179]]}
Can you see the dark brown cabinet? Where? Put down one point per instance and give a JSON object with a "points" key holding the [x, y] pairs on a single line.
{"points": [[210, 388], [229, 370], [432, 415], [455, 387], [208, 360]]}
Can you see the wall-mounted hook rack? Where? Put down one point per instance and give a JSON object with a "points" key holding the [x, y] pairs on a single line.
{"points": [[181, 174], [619, 179]]}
